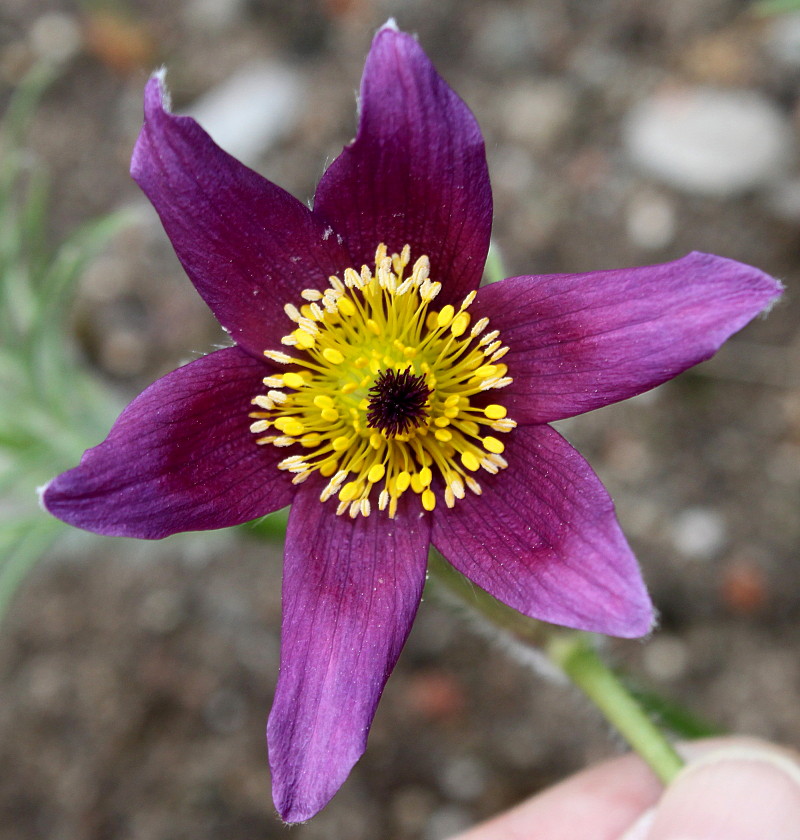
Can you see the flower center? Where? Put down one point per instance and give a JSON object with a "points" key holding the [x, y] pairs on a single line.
{"points": [[397, 401], [387, 395]]}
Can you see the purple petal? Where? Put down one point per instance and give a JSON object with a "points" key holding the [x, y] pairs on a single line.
{"points": [[247, 245], [543, 538], [350, 592], [181, 457], [416, 173], [582, 341]]}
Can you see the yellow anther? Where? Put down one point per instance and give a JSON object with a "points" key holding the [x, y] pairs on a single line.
{"points": [[332, 355], [331, 415], [460, 324], [441, 422], [443, 434], [303, 339], [348, 492], [376, 440], [346, 306], [292, 427], [445, 316], [492, 444], [293, 380], [323, 401], [452, 400], [311, 440], [495, 412], [376, 473], [341, 443], [470, 461], [348, 388], [485, 371], [373, 327], [259, 426], [428, 500], [425, 476], [403, 481], [328, 468]]}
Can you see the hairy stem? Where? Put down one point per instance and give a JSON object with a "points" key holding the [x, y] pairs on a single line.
{"points": [[576, 656]]}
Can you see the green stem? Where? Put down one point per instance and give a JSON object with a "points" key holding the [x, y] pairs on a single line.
{"points": [[578, 658], [574, 654]]}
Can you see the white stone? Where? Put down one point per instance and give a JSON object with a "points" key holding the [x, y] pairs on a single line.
{"points": [[650, 220], [213, 15], [251, 110], [782, 39], [699, 533], [537, 114], [709, 141], [55, 36]]}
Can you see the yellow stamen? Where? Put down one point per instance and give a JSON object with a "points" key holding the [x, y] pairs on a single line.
{"points": [[378, 326]]}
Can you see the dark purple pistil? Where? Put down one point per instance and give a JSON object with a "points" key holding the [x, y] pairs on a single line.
{"points": [[397, 401]]}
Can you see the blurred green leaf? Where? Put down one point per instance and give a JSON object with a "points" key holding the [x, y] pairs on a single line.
{"points": [[52, 408], [766, 8], [673, 716]]}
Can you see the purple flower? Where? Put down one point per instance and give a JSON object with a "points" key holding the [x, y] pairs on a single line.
{"points": [[393, 402]]}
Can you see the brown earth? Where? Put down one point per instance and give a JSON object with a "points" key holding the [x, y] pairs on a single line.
{"points": [[136, 678]]}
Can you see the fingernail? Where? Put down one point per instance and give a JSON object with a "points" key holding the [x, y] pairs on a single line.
{"points": [[736, 793]]}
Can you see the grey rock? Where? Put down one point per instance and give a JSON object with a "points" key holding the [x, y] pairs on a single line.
{"points": [[709, 141]]}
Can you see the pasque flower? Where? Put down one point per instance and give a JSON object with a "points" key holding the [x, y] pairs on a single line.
{"points": [[392, 401]]}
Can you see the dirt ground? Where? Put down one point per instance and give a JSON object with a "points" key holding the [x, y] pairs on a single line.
{"points": [[136, 678]]}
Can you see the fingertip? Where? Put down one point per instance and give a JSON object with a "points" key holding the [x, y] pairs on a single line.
{"points": [[738, 792]]}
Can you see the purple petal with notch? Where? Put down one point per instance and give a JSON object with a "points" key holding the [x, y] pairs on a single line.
{"points": [[543, 538], [181, 457], [247, 245], [581, 341], [351, 589], [416, 172]]}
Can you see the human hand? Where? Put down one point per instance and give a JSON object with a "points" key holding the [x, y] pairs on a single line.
{"points": [[731, 789]]}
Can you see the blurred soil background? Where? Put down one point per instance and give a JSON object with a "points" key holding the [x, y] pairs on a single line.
{"points": [[136, 677]]}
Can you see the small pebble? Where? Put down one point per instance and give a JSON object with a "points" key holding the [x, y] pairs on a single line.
{"points": [[699, 533], [463, 779], [665, 658], [709, 141], [251, 110], [782, 39], [55, 37], [537, 114], [447, 821], [650, 221]]}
